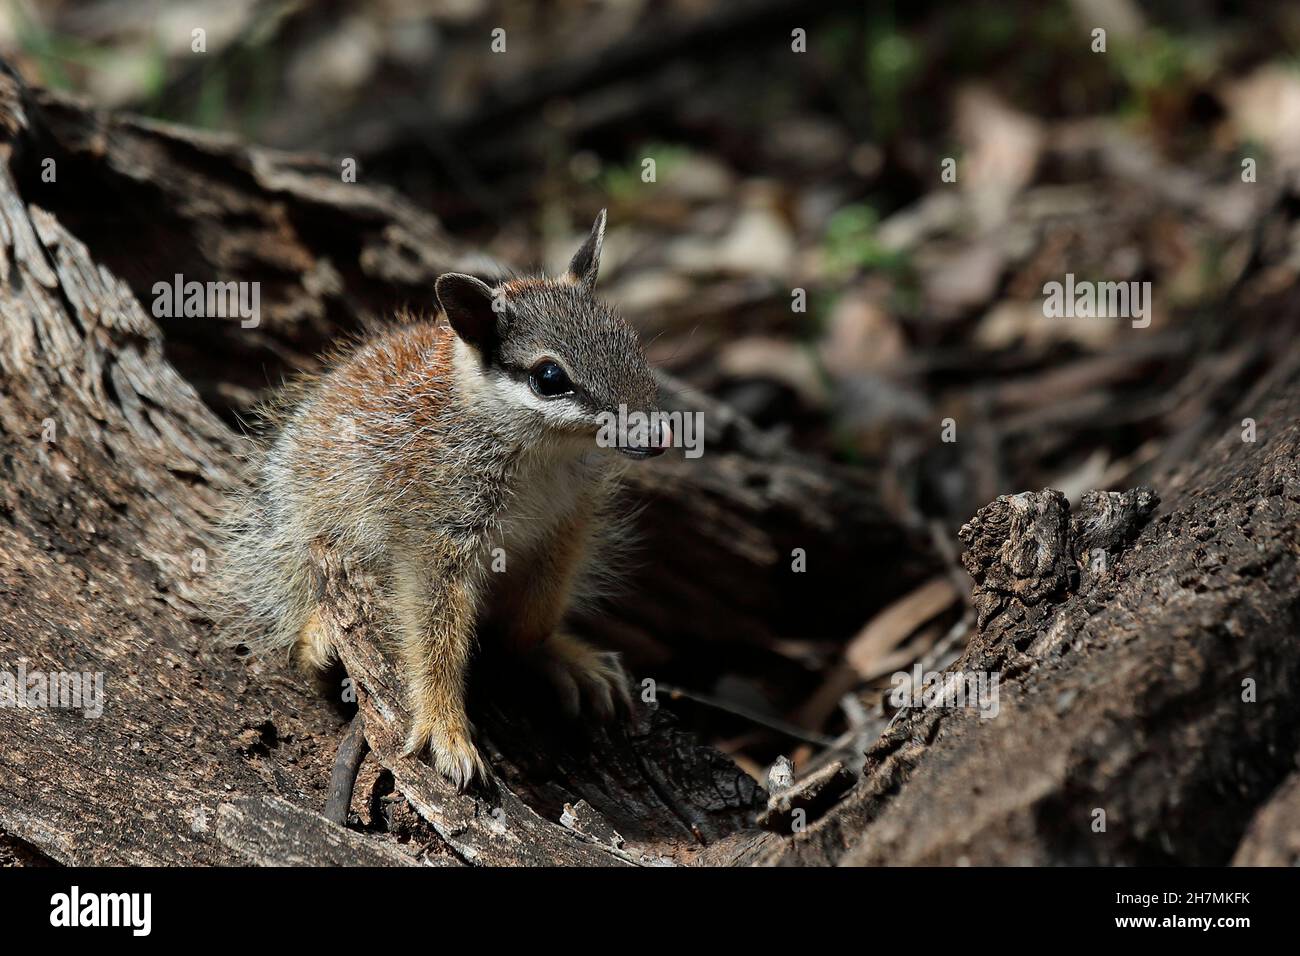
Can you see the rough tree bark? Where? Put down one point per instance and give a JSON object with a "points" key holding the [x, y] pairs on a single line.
{"points": [[1148, 663], [1122, 633]]}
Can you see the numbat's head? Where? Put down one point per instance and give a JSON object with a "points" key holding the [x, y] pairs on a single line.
{"points": [[547, 352]]}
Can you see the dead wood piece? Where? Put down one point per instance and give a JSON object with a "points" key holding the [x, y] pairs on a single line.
{"points": [[1017, 551], [807, 799], [1026, 551], [1107, 521], [269, 831], [583, 819], [343, 778]]}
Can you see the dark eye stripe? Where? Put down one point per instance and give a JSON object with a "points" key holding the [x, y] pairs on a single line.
{"points": [[523, 375]]}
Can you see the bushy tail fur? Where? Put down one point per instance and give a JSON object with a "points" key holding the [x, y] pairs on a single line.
{"points": [[264, 591]]}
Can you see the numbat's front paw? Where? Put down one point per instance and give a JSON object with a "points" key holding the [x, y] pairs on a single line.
{"points": [[451, 751], [583, 673]]}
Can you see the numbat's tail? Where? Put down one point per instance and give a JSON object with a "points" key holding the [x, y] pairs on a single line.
{"points": [[264, 587]]}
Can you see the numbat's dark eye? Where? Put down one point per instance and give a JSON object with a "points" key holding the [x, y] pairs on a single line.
{"points": [[548, 379]]}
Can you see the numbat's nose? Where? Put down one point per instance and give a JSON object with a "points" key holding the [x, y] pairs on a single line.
{"points": [[658, 445], [665, 440]]}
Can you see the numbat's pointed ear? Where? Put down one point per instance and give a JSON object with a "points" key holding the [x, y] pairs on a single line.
{"points": [[467, 303], [586, 261]]}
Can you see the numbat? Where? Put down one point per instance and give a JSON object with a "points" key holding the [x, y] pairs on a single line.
{"points": [[459, 462]]}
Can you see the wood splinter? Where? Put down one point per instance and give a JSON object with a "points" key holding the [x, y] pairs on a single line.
{"points": [[352, 750]]}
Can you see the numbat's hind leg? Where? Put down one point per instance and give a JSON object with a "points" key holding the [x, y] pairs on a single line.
{"points": [[313, 651], [582, 673]]}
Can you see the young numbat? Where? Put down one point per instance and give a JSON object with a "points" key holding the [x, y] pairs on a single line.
{"points": [[459, 462]]}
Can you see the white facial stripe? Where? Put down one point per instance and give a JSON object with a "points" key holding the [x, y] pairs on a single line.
{"points": [[500, 391], [561, 411]]}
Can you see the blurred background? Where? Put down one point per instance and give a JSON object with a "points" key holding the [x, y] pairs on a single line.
{"points": [[1171, 157]]}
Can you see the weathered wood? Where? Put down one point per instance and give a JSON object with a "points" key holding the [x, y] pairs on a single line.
{"points": [[1125, 685], [343, 778], [269, 831], [110, 469]]}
